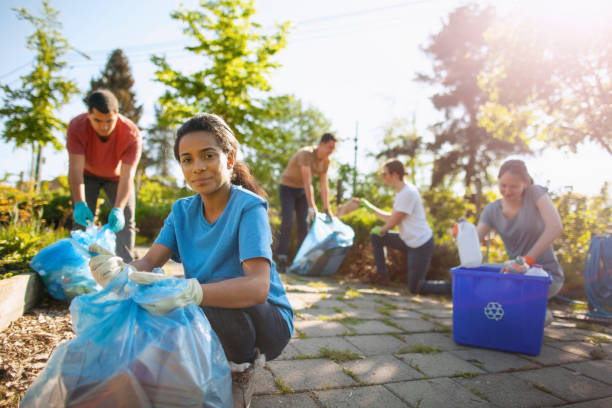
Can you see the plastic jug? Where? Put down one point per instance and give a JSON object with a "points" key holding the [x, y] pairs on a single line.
{"points": [[468, 244], [536, 270]]}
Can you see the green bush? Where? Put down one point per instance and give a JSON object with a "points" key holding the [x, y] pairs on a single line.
{"points": [[153, 205], [19, 242]]}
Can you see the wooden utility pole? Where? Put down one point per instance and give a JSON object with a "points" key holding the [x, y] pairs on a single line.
{"points": [[355, 160]]}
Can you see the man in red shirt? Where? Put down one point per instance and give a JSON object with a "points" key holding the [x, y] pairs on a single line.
{"points": [[104, 148]]}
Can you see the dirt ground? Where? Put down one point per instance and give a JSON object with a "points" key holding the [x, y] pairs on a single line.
{"points": [[25, 347]]}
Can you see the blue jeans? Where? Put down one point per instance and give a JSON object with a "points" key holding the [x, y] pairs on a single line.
{"points": [[418, 260], [127, 236], [241, 330], [292, 200]]}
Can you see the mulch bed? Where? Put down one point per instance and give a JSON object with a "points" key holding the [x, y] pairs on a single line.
{"points": [[25, 347]]}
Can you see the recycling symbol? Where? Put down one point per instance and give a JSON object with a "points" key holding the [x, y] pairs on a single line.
{"points": [[494, 311]]}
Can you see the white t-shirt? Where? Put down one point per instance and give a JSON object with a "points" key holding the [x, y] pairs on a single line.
{"points": [[413, 228]]}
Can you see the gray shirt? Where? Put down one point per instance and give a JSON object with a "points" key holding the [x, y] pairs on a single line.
{"points": [[521, 232]]}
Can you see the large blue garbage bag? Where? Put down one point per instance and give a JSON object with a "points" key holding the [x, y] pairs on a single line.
{"points": [[324, 247], [64, 265], [123, 356]]}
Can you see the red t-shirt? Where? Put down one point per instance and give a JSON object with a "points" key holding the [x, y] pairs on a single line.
{"points": [[103, 159]]}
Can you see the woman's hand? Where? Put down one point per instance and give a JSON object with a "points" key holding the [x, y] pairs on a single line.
{"points": [[105, 266], [191, 294]]}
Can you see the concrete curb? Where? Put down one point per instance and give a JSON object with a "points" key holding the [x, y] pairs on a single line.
{"points": [[18, 294]]}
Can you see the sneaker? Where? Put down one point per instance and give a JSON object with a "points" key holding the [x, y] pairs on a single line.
{"points": [[243, 381], [549, 317], [281, 265]]}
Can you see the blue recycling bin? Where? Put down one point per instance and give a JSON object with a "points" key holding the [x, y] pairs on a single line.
{"points": [[499, 311]]}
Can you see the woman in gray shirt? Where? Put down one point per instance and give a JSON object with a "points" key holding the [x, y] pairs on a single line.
{"points": [[526, 219]]}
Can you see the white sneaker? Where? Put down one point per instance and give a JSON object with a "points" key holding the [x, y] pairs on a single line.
{"points": [[549, 317], [243, 381]]}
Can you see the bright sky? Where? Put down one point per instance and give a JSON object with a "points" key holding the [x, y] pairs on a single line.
{"points": [[355, 60]]}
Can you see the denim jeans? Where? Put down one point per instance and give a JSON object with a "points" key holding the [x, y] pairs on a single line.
{"points": [[127, 236], [418, 260], [241, 330], [292, 200]]}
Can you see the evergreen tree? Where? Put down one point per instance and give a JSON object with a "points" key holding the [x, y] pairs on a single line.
{"points": [[30, 110], [461, 146], [117, 77]]}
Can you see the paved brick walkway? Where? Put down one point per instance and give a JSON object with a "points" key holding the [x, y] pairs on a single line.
{"points": [[357, 346]]}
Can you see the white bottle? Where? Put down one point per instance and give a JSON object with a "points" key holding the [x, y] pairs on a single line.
{"points": [[468, 245], [536, 270]]}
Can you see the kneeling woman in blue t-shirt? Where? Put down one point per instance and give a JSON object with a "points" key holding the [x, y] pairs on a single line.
{"points": [[222, 236]]}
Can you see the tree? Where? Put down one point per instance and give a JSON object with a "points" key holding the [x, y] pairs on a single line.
{"points": [[461, 146], [291, 125], [30, 110], [550, 79], [237, 60], [117, 77], [159, 152]]}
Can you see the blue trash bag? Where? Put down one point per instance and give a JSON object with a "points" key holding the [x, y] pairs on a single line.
{"points": [[64, 265], [123, 356], [324, 247]]}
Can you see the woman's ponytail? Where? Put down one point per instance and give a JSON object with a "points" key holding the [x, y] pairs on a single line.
{"points": [[242, 176]]}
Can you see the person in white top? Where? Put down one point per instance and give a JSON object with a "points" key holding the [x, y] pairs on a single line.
{"points": [[415, 236]]}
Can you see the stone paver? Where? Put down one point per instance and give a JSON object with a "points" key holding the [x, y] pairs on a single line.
{"points": [[372, 345], [439, 364], [505, 390], [600, 370], [381, 369], [304, 375], [494, 361], [441, 392], [390, 332], [311, 347], [366, 397], [320, 328], [414, 325], [566, 384], [281, 401]]}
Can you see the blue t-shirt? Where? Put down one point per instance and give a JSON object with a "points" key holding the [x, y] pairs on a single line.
{"points": [[215, 252]]}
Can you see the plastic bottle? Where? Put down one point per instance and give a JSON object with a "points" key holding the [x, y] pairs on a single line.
{"points": [[536, 270], [468, 244]]}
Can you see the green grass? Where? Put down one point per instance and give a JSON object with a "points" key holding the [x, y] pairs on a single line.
{"points": [[282, 387], [442, 328], [387, 305], [317, 285], [383, 310], [479, 394], [419, 348], [344, 320], [598, 340], [352, 293], [591, 327], [338, 355], [302, 335], [465, 374], [354, 306], [352, 375], [391, 323], [580, 307], [337, 309]]}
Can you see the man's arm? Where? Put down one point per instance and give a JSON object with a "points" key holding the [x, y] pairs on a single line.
{"points": [[126, 181], [325, 192], [307, 179], [76, 167]]}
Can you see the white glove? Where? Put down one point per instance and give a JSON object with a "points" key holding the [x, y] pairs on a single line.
{"points": [[192, 293], [106, 266], [312, 212]]}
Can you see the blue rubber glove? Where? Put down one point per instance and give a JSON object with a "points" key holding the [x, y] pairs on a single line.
{"points": [[82, 213], [116, 219]]}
